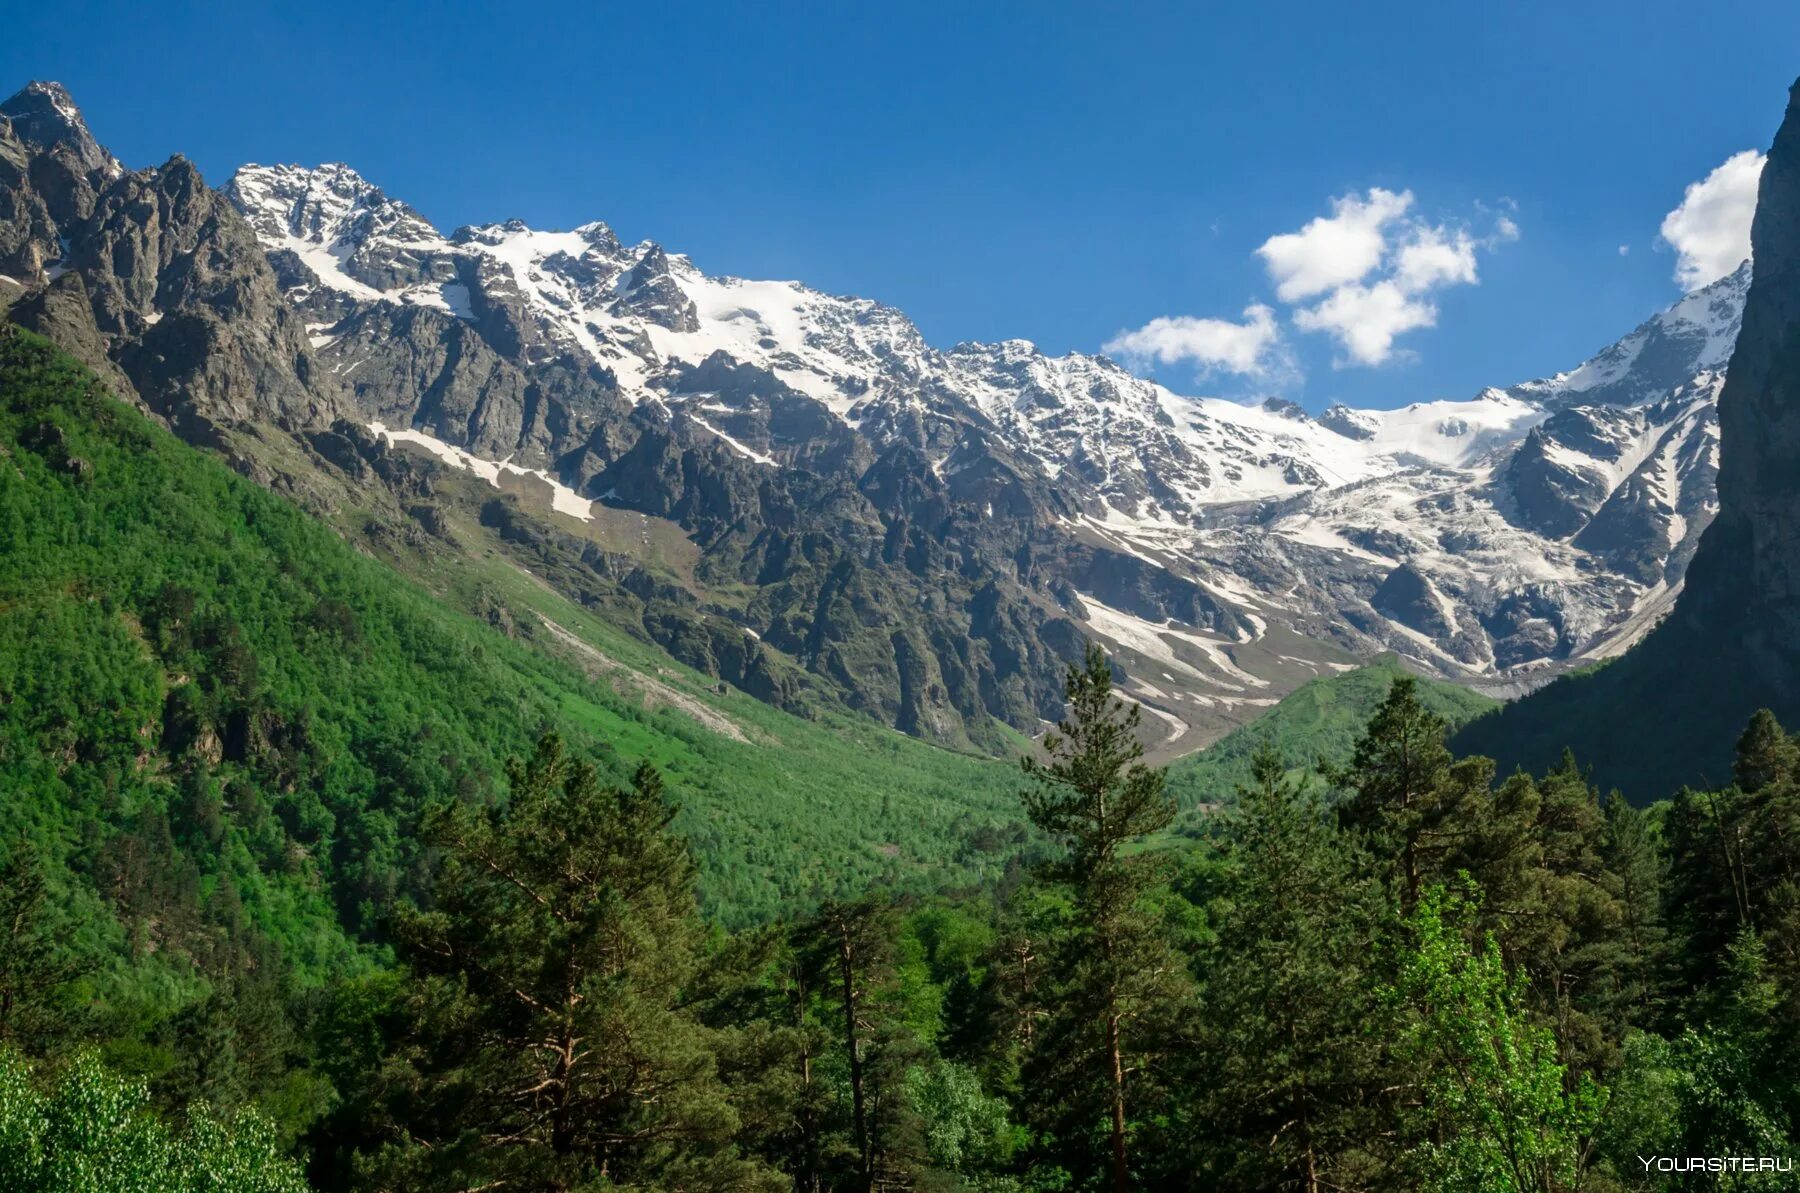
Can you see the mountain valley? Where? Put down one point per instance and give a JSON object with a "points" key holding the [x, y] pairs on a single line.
{"points": [[797, 495], [496, 708]]}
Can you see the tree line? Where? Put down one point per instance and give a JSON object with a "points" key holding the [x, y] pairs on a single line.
{"points": [[1402, 971]]}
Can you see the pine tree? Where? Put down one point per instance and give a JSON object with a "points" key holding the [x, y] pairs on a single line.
{"points": [[34, 965], [756, 993], [1120, 982], [1018, 974], [1536, 848], [1407, 791], [852, 952], [1289, 997], [1766, 755], [1723, 1087], [1735, 861], [1708, 896], [554, 1048], [1633, 870]]}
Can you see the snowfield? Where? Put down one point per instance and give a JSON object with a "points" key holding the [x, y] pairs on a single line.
{"points": [[1503, 536]]}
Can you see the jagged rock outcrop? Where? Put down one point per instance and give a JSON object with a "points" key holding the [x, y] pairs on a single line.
{"points": [[156, 280], [51, 171], [1408, 597], [651, 293]]}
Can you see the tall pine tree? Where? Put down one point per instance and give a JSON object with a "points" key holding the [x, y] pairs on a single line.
{"points": [[1291, 1063], [34, 965], [1406, 792], [851, 949], [553, 1047], [1120, 983]]}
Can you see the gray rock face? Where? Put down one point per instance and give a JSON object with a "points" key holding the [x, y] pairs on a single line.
{"points": [[649, 291], [1552, 493], [64, 167], [865, 566], [1745, 578], [1543, 520], [1347, 422], [29, 244], [157, 282], [1407, 597], [927, 534], [46, 119]]}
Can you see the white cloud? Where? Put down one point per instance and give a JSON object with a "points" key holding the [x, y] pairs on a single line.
{"points": [[1334, 250], [1624, 250], [1365, 319], [1710, 230], [1436, 257], [1372, 266], [1250, 348], [1364, 275]]}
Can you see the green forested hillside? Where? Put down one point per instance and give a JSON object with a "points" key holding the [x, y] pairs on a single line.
{"points": [[180, 644], [309, 879], [1319, 722], [219, 723], [1435, 981]]}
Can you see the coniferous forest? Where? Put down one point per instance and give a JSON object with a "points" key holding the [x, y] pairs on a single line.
{"points": [[312, 882]]}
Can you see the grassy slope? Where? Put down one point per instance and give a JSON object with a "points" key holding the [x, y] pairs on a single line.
{"points": [[1320, 721], [366, 696]]}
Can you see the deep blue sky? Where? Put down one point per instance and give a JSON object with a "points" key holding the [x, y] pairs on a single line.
{"points": [[1052, 172]]}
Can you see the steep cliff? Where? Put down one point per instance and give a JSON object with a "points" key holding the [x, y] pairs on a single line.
{"points": [[1665, 713]]}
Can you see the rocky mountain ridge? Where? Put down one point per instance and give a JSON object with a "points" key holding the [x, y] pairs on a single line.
{"points": [[149, 276], [926, 534], [1485, 539]]}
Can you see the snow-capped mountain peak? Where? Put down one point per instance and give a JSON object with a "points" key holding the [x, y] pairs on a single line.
{"points": [[1525, 526], [352, 237], [1694, 336], [930, 532]]}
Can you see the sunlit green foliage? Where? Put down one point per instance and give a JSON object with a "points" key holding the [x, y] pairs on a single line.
{"points": [[84, 1130], [1497, 1113]]}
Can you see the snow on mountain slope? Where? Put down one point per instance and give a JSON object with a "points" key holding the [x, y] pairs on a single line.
{"points": [[1691, 338], [840, 351], [1147, 450], [1494, 539], [563, 499], [354, 238]]}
